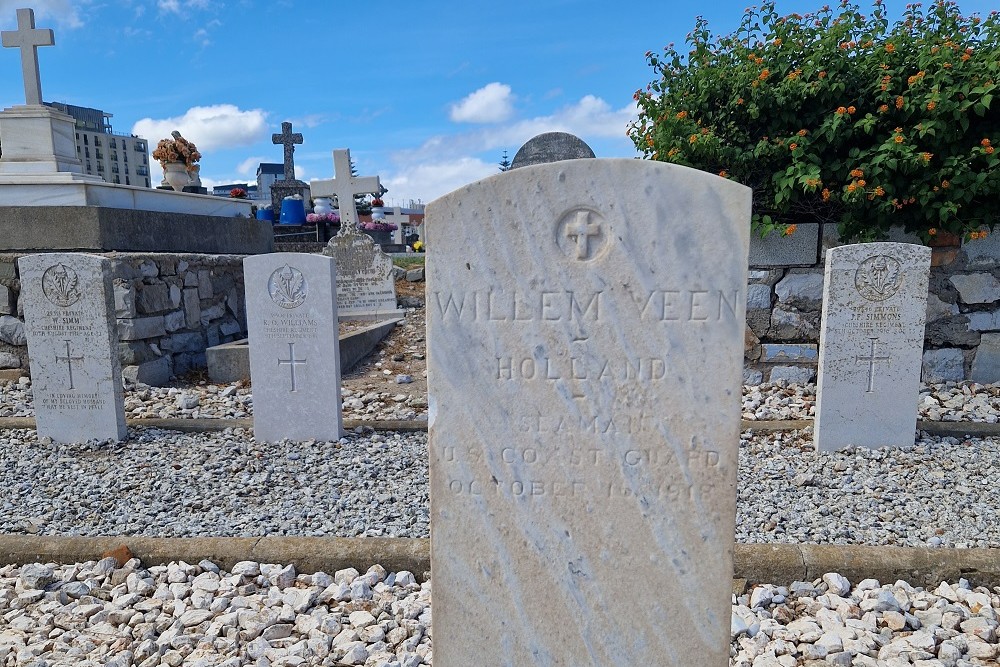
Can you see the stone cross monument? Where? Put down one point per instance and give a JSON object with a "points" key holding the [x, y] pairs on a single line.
{"points": [[288, 139], [289, 185], [344, 185], [28, 38]]}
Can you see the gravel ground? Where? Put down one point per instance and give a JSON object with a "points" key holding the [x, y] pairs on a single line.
{"points": [[940, 492]]}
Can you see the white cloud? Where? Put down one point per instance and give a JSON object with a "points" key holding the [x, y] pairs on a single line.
{"points": [[429, 180], [169, 6], [212, 127], [64, 12], [589, 118], [493, 103], [249, 166]]}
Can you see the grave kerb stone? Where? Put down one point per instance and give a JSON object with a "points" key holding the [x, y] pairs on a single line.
{"points": [[584, 379]]}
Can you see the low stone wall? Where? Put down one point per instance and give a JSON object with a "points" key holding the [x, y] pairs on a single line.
{"points": [[170, 308], [784, 304]]}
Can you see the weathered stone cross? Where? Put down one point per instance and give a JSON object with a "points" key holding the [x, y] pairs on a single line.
{"points": [[69, 359], [344, 185], [871, 359], [289, 139], [580, 230], [28, 39], [292, 362]]}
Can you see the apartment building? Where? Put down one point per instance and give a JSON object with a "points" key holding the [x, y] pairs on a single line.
{"points": [[118, 158]]}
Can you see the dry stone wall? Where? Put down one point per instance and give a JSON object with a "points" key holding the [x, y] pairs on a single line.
{"points": [[785, 299], [169, 308]]}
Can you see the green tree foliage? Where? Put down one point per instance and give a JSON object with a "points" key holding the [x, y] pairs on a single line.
{"points": [[839, 116]]}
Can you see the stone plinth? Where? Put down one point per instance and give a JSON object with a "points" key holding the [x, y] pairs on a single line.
{"points": [[104, 229], [39, 140]]}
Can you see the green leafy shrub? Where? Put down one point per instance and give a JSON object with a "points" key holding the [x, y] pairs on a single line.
{"points": [[837, 116]]}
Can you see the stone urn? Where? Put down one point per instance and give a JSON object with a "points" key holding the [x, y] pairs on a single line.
{"points": [[176, 174]]}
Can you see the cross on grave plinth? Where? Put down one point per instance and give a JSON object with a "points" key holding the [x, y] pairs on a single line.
{"points": [[291, 362], [871, 360], [28, 38], [288, 139], [344, 185], [580, 230], [69, 359]]}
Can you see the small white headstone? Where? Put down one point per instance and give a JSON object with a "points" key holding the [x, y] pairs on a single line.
{"points": [[584, 372], [69, 320], [871, 345], [294, 347]]}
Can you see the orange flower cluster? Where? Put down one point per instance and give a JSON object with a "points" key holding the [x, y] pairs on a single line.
{"points": [[724, 173], [802, 133], [682, 114], [825, 194], [899, 102], [794, 74], [926, 157], [851, 110], [822, 75], [890, 48], [764, 74], [792, 146], [885, 82], [841, 111], [813, 182], [789, 230], [916, 77], [931, 105], [981, 234], [884, 108], [856, 173]]}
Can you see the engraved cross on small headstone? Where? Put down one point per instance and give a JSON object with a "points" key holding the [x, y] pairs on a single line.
{"points": [[288, 139], [871, 360], [28, 39], [344, 185], [69, 359], [580, 230], [291, 362]]}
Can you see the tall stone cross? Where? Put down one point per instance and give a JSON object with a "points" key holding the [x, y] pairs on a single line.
{"points": [[344, 185], [288, 139], [28, 39]]}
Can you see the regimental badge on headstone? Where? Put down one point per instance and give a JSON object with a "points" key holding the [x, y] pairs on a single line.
{"points": [[871, 344], [294, 348], [69, 320]]}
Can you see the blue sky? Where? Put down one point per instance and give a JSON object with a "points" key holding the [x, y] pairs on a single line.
{"points": [[427, 95]]}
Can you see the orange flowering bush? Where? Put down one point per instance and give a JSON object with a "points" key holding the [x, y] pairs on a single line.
{"points": [[839, 116]]}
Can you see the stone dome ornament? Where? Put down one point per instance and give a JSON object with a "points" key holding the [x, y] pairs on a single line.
{"points": [[551, 147]]}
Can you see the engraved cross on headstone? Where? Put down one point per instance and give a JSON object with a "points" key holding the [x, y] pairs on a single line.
{"points": [[871, 360], [288, 139], [28, 39], [344, 185], [580, 230], [291, 362], [69, 359]]}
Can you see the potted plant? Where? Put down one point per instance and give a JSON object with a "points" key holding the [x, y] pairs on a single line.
{"points": [[378, 209], [237, 193], [179, 159]]}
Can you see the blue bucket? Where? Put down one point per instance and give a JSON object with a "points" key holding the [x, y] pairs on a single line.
{"points": [[265, 214], [293, 211]]}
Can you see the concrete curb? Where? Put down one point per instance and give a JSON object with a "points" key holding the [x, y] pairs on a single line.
{"points": [[779, 564], [943, 429]]}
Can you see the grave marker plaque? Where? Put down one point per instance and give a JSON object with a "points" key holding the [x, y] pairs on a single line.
{"points": [[871, 344], [69, 320], [294, 353], [584, 376]]}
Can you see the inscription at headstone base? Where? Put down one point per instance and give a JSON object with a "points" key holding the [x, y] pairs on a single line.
{"points": [[871, 344], [69, 320], [294, 355], [584, 379]]}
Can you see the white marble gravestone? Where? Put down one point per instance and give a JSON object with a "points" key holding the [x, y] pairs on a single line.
{"points": [[584, 375], [365, 286], [69, 320], [294, 353], [871, 345]]}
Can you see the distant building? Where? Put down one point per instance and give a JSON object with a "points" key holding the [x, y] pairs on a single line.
{"points": [[268, 173], [117, 158]]}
